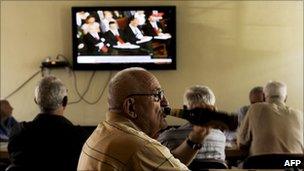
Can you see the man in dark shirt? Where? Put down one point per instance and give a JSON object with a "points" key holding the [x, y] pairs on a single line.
{"points": [[50, 141], [153, 26], [114, 36], [135, 36]]}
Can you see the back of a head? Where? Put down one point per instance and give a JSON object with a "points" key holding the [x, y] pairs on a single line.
{"points": [[256, 94], [49, 93], [128, 81], [275, 91], [4, 108], [199, 95]]}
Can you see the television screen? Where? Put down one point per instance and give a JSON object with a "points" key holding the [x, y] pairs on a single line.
{"points": [[112, 38]]}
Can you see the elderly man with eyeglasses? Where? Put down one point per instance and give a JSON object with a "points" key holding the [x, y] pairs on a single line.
{"points": [[126, 140]]}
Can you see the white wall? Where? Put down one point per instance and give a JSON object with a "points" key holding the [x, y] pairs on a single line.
{"points": [[230, 46]]}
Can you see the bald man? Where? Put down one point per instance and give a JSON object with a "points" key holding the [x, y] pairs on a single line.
{"points": [[126, 140], [7, 121], [256, 95]]}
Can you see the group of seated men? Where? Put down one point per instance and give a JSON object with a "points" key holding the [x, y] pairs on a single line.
{"points": [[131, 139], [101, 33]]}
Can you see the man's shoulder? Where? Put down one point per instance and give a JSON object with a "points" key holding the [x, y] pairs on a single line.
{"points": [[260, 105], [127, 28], [24, 125], [48, 123], [121, 133], [217, 131], [148, 25], [120, 31], [119, 140], [21, 129], [216, 134], [295, 111]]}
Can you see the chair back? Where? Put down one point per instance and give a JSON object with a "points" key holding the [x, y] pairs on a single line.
{"points": [[274, 161], [203, 164]]}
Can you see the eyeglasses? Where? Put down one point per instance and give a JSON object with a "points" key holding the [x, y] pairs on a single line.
{"points": [[157, 96]]}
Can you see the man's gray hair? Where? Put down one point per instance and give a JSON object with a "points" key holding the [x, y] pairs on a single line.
{"points": [[49, 93], [199, 95], [275, 90]]}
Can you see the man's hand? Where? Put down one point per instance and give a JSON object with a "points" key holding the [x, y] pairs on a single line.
{"points": [[198, 133], [185, 153]]}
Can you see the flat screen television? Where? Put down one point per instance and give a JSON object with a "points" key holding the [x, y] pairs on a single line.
{"points": [[114, 38]]}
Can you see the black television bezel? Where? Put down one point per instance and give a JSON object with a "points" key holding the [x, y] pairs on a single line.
{"points": [[108, 66]]}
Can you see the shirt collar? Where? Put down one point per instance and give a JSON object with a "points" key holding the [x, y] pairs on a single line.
{"points": [[277, 102], [117, 118], [134, 29], [154, 24], [115, 32]]}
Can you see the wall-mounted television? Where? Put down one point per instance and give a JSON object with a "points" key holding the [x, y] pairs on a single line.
{"points": [[114, 38]]}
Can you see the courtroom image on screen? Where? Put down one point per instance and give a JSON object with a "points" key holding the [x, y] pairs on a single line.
{"points": [[124, 36]]}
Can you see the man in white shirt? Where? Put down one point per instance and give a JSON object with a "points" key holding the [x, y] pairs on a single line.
{"points": [[104, 23], [153, 27], [213, 146], [132, 31]]}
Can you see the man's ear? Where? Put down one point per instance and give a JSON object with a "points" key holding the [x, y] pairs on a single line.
{"points": [[35, 100], [65, 101], [129, 107]]}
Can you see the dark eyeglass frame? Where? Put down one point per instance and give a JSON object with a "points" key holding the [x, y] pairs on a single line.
{"points": [[158, 95]]}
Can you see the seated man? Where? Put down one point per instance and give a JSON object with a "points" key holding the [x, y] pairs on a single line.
{"points": [[256, 95], [271, 126], [50, 141], [213, 146], [92, 37], [7, 121], [132, 32], [104, 23], [153, 26], [136, 36], [125, 141], [114, 36]]}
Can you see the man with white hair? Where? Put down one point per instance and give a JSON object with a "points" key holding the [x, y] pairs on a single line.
{"points": [[213, 146], [271, 126], [126, 140], [50, 141]]}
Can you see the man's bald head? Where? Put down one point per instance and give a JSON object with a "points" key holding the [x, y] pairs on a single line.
{"points": [[129, 81]]}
